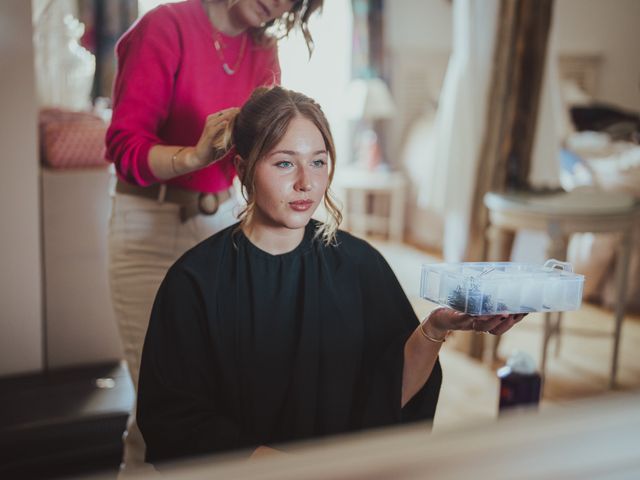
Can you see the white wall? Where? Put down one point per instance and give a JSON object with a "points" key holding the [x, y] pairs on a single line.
{"points": [[610, 28], [20, 259], [418, 24], [418, 39]]}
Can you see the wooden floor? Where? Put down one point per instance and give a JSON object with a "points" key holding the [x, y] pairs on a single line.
{"points": [[579, 370]]}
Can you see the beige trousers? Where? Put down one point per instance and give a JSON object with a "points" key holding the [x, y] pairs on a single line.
{"points": [[145, 238]]}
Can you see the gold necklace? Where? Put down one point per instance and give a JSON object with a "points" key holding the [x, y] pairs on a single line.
{"points": [[218, 46], [217, 43]]}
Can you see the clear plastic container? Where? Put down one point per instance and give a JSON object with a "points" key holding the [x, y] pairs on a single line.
{"points": [[485, 288]]}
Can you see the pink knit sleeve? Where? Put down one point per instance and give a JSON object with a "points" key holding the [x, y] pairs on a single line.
{"points": [[148, 57]]}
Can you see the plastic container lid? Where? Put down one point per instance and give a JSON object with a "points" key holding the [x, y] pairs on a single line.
{"points": [[490, 288]]}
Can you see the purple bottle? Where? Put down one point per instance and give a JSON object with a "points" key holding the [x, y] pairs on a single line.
{"points": [[520, 383]]}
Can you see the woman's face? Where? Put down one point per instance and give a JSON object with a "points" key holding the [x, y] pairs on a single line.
{"points": [[291, 180], [254, 13]]}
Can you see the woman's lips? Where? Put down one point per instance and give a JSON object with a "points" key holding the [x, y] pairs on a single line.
{"points": [[301, 205]]}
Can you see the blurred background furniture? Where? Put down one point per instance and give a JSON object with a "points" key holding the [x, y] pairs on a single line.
{"points": [[79, 323], [596, 159], [373, 201], [560, 215], [369, 102], [64, 422]]}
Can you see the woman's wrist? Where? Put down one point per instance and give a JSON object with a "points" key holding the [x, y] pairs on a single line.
{"points": [[176, 167], [184, 161], [431, 330]]}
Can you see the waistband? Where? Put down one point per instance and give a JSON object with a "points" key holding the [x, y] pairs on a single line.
{"points": [[191, 202]]}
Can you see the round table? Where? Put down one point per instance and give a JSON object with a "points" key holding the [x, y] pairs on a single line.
{"points": [[560, 215]]}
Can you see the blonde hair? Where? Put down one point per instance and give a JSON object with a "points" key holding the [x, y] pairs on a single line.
{"points": [[259, 126], [297, 17]]}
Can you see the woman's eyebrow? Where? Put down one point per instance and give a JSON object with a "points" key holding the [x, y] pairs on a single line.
{"points": [[293, 153]]}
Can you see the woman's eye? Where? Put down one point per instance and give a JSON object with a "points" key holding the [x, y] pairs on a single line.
{"points": [[284, 164], [319, 163]]}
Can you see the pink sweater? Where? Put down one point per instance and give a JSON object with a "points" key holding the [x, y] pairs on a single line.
{"points": [[169, 79]]}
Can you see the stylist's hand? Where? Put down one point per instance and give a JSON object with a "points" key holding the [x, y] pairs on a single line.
{"points": [[443, 319], [205, 153]]}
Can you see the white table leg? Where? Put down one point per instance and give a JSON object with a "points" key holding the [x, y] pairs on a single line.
{"points": [[358, 214], [546, 336], [396, 214], [557, 249], [622, 270]]}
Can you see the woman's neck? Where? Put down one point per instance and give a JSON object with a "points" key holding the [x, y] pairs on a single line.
{"points": [[273, 240], [221, 18]]}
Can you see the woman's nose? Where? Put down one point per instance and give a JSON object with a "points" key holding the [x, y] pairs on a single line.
{"points": [[303, 182]]}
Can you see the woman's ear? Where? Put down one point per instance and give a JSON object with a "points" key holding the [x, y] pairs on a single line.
{"points": [[240, 165]]}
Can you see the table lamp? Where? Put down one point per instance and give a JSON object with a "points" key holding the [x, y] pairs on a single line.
{"points": [[369, 100]]}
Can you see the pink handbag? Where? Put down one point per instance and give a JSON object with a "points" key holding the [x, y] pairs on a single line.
{"points": [[70, 139]]}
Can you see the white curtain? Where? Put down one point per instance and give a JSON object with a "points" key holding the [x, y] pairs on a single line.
{"points": [[448, 186]]}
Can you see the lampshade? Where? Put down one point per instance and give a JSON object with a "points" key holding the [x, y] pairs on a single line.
{"points": [[370, 99]]}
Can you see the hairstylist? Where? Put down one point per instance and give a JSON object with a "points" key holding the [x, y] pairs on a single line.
{"points": [[183, 69]]}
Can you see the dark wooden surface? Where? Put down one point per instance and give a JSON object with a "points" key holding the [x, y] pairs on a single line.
{"points": [[64, 422]]}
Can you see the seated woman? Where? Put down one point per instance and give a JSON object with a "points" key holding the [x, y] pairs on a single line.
{"points": [[283, 328]]}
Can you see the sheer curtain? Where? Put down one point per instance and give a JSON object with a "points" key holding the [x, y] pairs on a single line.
{"points": [[459, 123]]}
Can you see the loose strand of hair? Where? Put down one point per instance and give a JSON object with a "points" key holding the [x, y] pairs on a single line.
{"points": [[328, 230], [280, 28]]}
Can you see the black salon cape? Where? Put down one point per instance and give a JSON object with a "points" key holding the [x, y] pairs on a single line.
{"points": [[245, 348]]}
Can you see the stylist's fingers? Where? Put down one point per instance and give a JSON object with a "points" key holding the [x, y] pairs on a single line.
{"points": [[213, 125], [229, 112], [206, 150], [218, 120], [223, 116]]}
